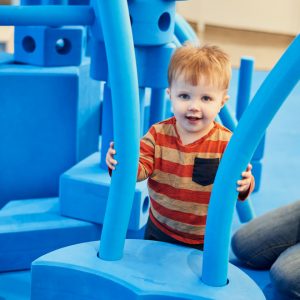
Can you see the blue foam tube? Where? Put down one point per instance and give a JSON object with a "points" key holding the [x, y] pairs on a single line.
{"points": [[244, 209], [107, 125], [142, 95], [157, 106], [48, 15], [255, 120], [183, 30], [244, 85], [114, 16]]}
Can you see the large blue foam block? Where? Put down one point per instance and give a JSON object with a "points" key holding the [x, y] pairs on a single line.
{"points": [[84, 191], [148, 270], [31, 228], [49, 120], [47, 46]]}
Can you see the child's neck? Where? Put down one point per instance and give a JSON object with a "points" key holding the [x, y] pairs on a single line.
{"points": [[190, 137]]}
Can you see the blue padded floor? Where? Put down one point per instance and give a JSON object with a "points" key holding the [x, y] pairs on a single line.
{"points": [[280, 179]]}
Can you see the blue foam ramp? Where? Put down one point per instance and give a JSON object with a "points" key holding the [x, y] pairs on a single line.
{"points": [[83, 194], [31, 228], [148, 270]]}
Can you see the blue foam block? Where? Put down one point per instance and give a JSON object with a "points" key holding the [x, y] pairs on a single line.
{"points": [[148, 270], [31, 228], [47, 46], [49, 120], [84, 191]]}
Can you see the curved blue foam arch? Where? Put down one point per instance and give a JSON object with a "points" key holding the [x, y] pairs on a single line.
{"points": [[267, 101], [50, 15], [114, 16]]}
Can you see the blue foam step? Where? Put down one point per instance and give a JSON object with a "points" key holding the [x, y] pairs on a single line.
{"points": [[84, 192], [31, 228], [148, 270]]}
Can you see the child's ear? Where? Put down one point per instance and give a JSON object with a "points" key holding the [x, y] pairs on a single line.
{"points": [[168, 92], [225, 99]]}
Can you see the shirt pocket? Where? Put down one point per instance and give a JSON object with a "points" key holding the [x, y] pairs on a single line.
{"points": [[205, 170]]}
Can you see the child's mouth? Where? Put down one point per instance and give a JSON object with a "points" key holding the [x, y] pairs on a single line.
{"points": [[192, 118]]}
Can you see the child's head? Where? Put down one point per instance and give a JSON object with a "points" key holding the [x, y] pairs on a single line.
{"points": [[198, 83], [197, 63]]}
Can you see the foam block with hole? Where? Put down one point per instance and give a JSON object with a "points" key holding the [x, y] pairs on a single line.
{"points": [[84, 189], [47, 46]]}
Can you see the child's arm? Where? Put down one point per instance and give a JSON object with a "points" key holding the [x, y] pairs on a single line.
{"points": [[147, 153], [146, 159], [246, 184]]}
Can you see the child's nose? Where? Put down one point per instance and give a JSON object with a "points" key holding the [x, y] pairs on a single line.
{"points": [[194, 105]]}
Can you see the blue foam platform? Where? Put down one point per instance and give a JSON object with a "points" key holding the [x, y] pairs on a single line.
{"points": [[148, 270], [49, 120], [31, 228], [83, 193]]}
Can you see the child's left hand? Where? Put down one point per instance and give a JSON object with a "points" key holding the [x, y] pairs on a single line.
{"points": [[244, 184]]}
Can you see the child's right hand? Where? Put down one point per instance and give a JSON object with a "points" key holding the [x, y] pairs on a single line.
{"points": [[110, 161]]}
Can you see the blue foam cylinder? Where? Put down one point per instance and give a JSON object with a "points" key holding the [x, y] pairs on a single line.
{"points": [[142, 97], [49, 15], [107, 124], [267, 101], [244, 85], [243, 99], [99, 68], [157, 106], [152, 63], [152, 21], [125, 96]]}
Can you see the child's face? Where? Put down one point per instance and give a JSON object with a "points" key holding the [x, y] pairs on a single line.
{"points": [[195, 107]]}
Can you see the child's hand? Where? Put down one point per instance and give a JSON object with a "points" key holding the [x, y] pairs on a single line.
{"points": [[244, 184], [110, 161]]}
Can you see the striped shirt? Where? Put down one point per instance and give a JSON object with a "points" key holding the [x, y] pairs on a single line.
{"points": [[180, 178]]}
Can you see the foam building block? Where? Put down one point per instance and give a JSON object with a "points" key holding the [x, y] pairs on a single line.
{"points": [[31, 228], [148, 270], [84, 189], [47, 124], [47, 46]]}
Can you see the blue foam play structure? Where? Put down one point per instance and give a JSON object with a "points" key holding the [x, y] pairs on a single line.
{"points": [[55, 189]]}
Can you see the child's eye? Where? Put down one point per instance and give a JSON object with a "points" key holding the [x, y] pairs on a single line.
{"points": [[206, 98], [184, 96]]}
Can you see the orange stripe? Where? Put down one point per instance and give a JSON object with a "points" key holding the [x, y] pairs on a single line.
{"points": [[179, 194], [179, 216], [145, 148], [174, 168], [206, 146]]}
